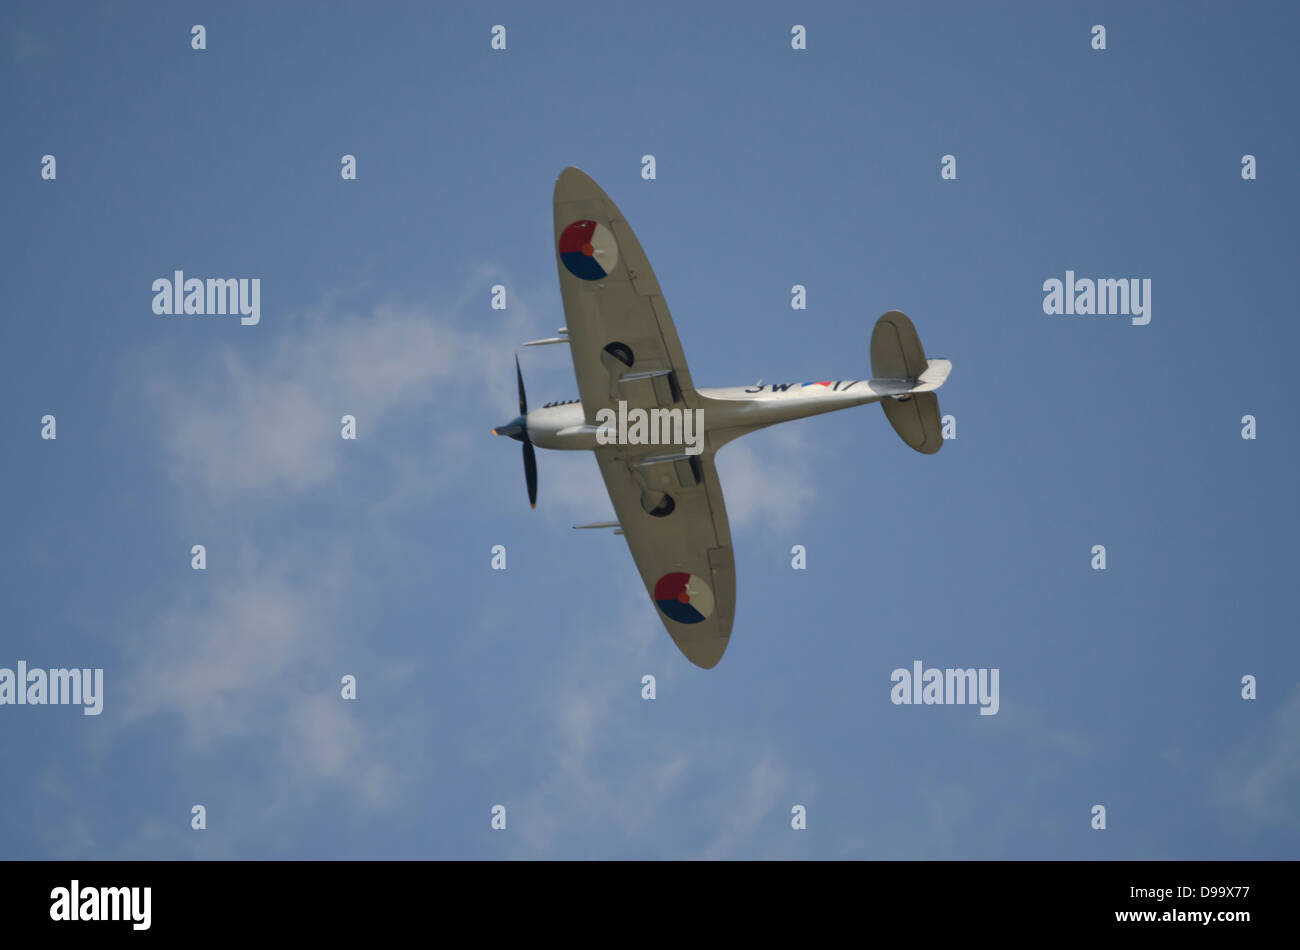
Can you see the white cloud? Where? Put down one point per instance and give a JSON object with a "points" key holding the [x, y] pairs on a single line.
{"points": [[596, 798], [767, 478], [324, 740], [205, 661], [1261, 780], [748, 811], [258, 660], [266, 422]]}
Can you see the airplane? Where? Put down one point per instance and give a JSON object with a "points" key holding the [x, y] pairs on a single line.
{"points": [[625, 351]]}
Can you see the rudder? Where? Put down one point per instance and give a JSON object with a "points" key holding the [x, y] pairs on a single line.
{"points": [[896, 351]]}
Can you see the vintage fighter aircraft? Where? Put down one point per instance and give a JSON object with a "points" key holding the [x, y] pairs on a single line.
{"points": [[625, 350]]}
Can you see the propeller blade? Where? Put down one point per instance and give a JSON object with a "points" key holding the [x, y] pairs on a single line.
{"points": [[530, 472], [518, 429], [523, 402]]}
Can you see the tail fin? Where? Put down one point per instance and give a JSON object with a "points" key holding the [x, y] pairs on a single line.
{"points": [[898, 360]]}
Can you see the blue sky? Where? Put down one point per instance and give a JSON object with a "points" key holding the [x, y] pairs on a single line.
{"points": [[522, 687]]}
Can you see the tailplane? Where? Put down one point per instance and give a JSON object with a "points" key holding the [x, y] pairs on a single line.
{"points": [[898, 363]]}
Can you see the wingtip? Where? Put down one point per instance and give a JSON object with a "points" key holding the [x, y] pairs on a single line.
{"points": [[706, 654], [573, 184]]}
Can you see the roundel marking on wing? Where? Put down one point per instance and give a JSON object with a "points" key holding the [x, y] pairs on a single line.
{"points": [[684, 597], [588, 250]]}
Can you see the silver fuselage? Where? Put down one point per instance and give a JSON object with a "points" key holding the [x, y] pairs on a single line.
{"points": [[729, 412]]}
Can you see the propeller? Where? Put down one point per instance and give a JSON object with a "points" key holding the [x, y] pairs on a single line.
{"points": [[517, 429]]}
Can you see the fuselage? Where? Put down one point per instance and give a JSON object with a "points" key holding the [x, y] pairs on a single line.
{"points": [[745, 408]]}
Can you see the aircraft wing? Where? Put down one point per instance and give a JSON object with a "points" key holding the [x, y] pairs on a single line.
{"points": [[685, 558], [625, 348], [617, 320]]}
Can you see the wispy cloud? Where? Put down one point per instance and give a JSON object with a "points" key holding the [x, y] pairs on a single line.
{"points": [[259, 658], [259, 655], [618, 777], [268, 421], [767, 478], [750, 811], [1260, 781]]}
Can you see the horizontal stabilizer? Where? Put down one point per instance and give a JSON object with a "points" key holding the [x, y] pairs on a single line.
{"points": [[898, 362], [916, 420], [933, 377]]}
